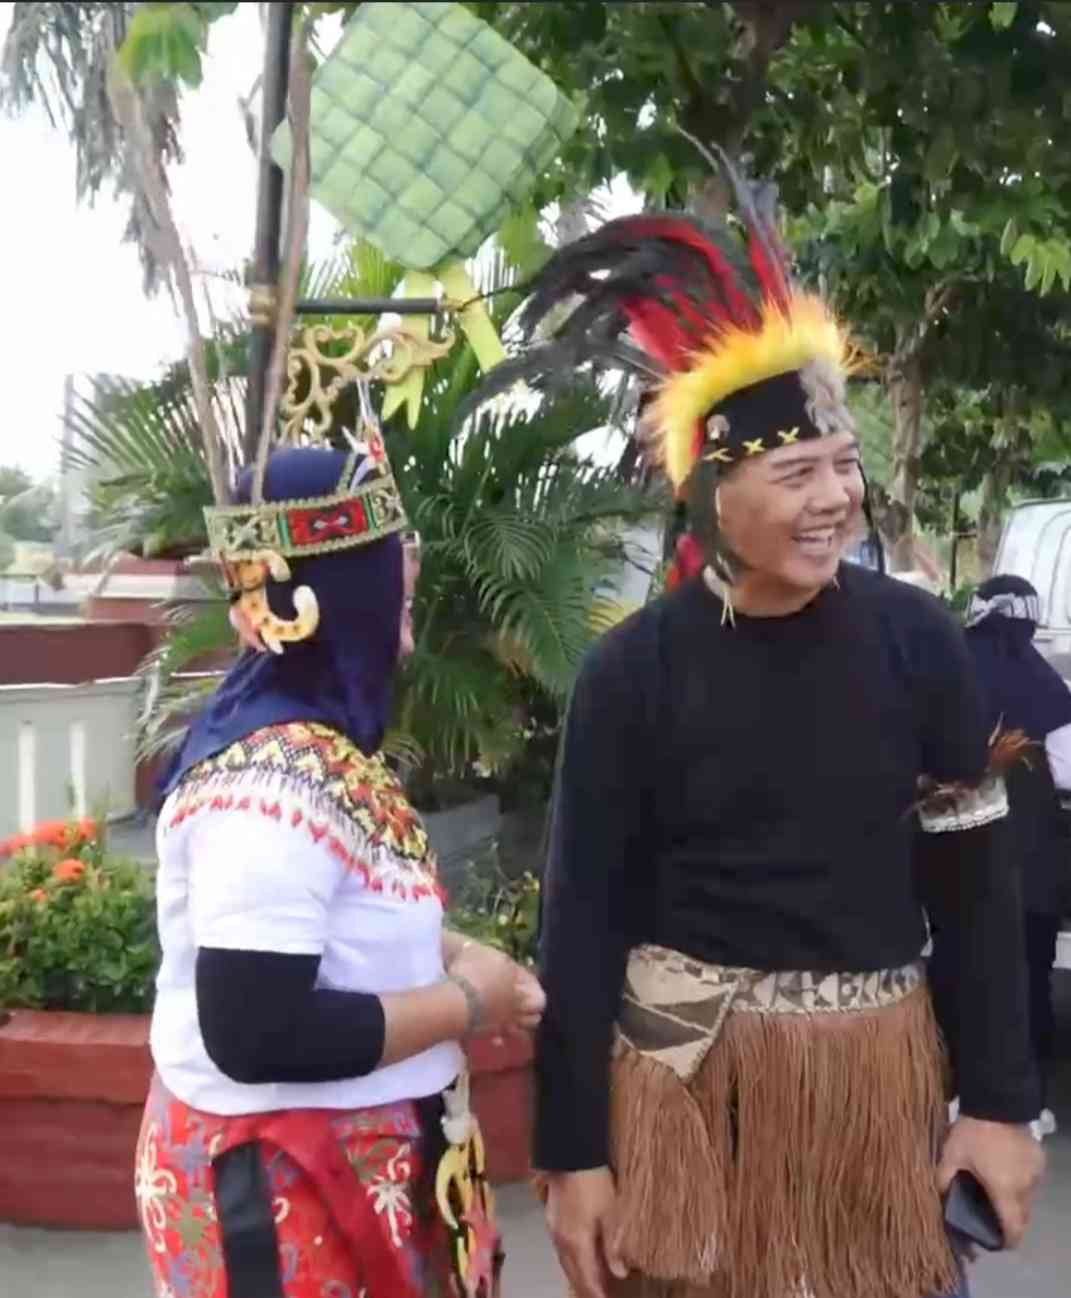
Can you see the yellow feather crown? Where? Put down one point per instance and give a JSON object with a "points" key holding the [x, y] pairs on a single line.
{"points": [[734, 358]]}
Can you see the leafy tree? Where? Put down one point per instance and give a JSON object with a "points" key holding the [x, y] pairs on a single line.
{"points": [[13, 481], [27, 509], [58, 56], [906, 199]]}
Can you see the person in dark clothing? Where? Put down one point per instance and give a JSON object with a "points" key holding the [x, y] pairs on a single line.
{"points": [[1023, 692], [739, 1077]]}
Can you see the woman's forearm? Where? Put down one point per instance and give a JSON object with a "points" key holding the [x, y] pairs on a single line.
{"points": [[417, 1020], [263, 1019]]}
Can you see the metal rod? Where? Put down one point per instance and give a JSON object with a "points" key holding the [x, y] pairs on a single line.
{"points": [[369, 306], [265, 271], [953, 567]]}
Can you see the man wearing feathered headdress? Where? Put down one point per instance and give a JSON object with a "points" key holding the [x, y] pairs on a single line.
{"points": [[741, 1089]]}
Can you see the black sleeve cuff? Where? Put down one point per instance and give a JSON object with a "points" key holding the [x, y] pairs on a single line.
{"points": [[573, 1114], [262, 1019]]}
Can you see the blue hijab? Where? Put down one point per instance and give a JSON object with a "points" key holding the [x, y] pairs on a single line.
{"points": [[342, 675], [1022, 691]]}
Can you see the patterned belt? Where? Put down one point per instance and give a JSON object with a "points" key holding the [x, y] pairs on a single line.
{"points": [[673, 1007]]}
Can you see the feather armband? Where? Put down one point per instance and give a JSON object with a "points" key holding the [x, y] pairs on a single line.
{"points": [[956, 805]]}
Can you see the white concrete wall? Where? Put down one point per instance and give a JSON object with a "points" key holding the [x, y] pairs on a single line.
{"points": [[66, 750]]}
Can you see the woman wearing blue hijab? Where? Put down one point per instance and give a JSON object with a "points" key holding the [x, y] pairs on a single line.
{"points": [[308, 1130], [1023, 692]]}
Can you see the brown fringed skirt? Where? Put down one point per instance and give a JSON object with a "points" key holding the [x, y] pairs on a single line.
{"points": [[776, 1135]]}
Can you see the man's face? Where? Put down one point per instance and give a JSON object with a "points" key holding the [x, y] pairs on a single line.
{"points": [[790, 514]]}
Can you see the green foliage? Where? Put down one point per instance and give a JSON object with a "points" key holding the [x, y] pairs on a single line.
{"points": [[197, 637], [1045, 260], [13, 481], [499, 911], [517, 533], [165, 42], [515, 542], [144, 450], [77, 930], [873, 420], [1002, 14], [27, 509]]}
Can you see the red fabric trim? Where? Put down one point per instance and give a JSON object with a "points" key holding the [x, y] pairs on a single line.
{"points": [[312, 526]]}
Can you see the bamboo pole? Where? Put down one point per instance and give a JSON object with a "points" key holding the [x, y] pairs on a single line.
{"points": [[265, 271]]}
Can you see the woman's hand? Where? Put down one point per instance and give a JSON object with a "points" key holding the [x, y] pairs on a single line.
{"points": [[510, 997], [582, 1221]]}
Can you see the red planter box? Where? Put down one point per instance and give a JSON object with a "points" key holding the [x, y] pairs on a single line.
{"points": [[502, 1096], [72, 1088]]}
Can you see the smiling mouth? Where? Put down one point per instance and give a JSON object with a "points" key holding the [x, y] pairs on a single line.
{"points": [[818, 543]]}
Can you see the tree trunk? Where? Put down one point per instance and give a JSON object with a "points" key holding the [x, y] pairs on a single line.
{"points": [[953, 560], [709, 199], [991, 516], [1012, 436], [904, 382]]}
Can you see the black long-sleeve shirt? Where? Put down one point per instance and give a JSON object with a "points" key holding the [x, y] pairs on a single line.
{"points": [[743, 794]]}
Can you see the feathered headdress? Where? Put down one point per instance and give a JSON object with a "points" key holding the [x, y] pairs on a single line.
{"points": [[741, 360]]}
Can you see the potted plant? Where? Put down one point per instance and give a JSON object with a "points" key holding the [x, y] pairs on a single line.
{"points": [[77, 958]]}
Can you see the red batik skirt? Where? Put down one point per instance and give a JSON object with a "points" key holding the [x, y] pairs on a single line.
{"points": [[341, 1189]]}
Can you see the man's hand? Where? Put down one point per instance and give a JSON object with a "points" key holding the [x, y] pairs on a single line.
{"points": [[1006, 1159], [582, 1220]]}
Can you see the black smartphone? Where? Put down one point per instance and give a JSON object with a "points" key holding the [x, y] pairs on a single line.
{"points": [[969, 1213]]}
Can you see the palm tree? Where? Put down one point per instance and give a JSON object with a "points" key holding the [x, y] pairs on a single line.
{"points": [[57, 56], [519, 533], [141, 446]]}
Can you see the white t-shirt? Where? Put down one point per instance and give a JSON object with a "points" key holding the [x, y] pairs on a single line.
{"points": [[264, 858], [1058, 750]]}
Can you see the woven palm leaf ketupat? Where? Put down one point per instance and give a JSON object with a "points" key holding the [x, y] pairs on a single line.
{"points": [[426, 129]]}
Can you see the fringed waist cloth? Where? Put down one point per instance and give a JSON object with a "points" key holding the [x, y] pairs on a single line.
{"points": [[775, 1135]]}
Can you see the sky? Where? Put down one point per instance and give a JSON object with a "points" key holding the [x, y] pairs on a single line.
{"points": [[72, 290]]}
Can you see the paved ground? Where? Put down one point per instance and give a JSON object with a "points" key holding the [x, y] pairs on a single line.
{"points": [[60, 1264]]}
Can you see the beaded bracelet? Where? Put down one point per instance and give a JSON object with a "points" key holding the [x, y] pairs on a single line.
{"points": [[473, 1003]]}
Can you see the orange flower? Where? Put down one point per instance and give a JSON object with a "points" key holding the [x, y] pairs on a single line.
{"points": [[51, 833], [86, 830], [69, 871], [9, 846], [39, 895]]}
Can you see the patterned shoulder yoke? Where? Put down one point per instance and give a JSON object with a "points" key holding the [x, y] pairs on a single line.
{"points": [[314, 779]]}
